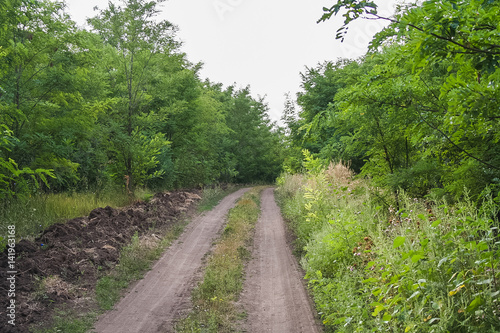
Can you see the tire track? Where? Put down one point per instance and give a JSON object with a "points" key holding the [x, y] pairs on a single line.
{"points": [[274, 294]]}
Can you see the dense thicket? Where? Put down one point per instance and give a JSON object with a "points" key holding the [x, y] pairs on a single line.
{"points": [[421, 111], [119, 102]]}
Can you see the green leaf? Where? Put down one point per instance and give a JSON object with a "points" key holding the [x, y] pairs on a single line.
{"points": [[436, 223], [387, 317], [477, 302], [416, 258], [378, 309], [442, 261], [398, 242], [424, 242], [487, 281], [415, 294]]}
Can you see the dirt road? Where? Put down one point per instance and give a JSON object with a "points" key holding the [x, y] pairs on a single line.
{"points": [[154, 302], [274, 295]]}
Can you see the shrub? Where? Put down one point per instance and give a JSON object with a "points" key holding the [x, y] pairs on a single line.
{"points": [[427, 267]]}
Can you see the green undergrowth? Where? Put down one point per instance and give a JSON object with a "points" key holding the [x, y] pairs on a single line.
{"points": [[213, 299], [427, 267]]}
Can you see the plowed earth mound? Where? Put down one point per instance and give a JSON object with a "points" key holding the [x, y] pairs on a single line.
{"points": [[71, 257]]}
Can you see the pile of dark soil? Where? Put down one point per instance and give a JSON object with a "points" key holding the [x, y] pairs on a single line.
{"points": [[70, 257]]}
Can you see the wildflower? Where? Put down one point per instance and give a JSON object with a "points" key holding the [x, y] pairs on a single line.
{"points": [[456, 290]]}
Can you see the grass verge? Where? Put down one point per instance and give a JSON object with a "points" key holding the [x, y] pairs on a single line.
{"points": [[426, 266], [33, 214], [213, 299]]}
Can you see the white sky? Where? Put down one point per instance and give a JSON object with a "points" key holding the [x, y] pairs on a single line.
{"points": [[261, 43]]}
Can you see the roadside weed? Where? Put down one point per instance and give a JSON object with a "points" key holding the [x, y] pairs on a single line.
{"points": [[427, 267], [212, 195]]}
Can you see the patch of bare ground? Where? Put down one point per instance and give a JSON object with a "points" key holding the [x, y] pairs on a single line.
{"points": [[60, 268], [274, 294]]}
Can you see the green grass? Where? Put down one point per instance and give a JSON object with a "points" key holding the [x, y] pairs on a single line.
{"points": [[213, 299], [33, 214], [70, 322], [429, 267]]}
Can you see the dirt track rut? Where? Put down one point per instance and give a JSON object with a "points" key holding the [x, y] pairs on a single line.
{"points": [[274, 295], [165, 292]]}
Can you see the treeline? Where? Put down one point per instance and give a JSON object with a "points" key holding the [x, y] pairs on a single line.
{"points": [[118, 103], [420, 111]]}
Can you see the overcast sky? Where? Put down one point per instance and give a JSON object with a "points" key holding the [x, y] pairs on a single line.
{"points": [[261, 43]]}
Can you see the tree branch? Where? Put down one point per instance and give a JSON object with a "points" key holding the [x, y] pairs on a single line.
{"points": [[447, 39]]}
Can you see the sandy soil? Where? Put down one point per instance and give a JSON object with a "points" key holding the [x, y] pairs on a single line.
{"points": [[165, 292], [273, 295]]}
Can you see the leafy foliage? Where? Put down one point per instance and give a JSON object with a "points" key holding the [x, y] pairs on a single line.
{"points": [[420, 111], [410, 245], [119, 104], [423, 268]]}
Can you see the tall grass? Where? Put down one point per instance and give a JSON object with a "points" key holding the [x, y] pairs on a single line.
{"points": [[429, 267], [35, 213]]}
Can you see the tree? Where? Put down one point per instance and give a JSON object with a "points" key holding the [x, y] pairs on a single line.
{"points": [[255, 141], [455, 106], [37, 83], [134, 42]]}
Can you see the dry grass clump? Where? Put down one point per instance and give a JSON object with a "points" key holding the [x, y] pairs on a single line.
{"points": [[290, 184], [339, 173], [149, 242], [53, 286]]}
